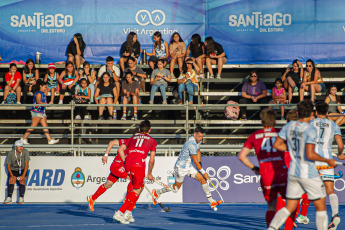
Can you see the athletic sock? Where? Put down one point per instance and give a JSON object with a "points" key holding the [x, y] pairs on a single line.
{"points": [[162, 190], [21, 190], [10, 189], [207, 192], [279, 218], [269, 217], [280, 203], [305, 205], [99, 192], [321, 220], [333, 200], [131, 200], [289, 221]]}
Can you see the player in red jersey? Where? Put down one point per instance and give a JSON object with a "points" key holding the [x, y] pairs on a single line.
{"points": [[272, 168], [138, 148]]}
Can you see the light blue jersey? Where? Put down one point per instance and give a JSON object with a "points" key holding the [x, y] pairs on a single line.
{"points": [[189, 148], [298, 134], [326, 130]]}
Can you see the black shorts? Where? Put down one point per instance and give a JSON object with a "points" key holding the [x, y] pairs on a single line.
{"points": [[17, 174], [156, 59]]}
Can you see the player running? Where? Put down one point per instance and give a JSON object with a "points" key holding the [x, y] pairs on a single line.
{"points": [[328, 130], [138, 147], [189, 163], [302, 175]]}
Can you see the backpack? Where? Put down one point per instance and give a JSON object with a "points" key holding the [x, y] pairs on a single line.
{"points": [[11, 98], [232, 112]]}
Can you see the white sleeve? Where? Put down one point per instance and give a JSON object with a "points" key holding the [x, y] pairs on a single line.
{"points": [[117, 70]]}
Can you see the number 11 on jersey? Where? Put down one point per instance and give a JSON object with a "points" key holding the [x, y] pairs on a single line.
{"points": [[139, 143]]}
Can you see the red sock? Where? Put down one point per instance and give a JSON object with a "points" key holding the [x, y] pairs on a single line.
{"points": [[305, 205], [280, 203], [132, 199], [99, 192], [269, 217], [289, 222]]}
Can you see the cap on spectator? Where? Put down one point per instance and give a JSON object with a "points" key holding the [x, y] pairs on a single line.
{"points": [[51, 66], [18, 143]]}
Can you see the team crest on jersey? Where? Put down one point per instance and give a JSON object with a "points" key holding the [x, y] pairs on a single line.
{"points": [[78, 178]]}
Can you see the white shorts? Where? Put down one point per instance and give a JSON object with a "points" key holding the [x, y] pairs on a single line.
{"points": [[296, 187], [180, 173], [327, 172]]}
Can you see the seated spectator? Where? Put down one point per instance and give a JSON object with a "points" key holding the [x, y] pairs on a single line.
{"points": [[75, 50], [130, 92], [104, 94], [13, 79], [138, 73], [196, 49], [253, 91], [214, 56], [188, 80], [279, 96], [130, 48], [68, 80], [114, 72], [30, 76], [177, 49], [51, 78], [335, 112], [160, 50], [90, 76], [292, 78], [312, 81], [82, 96], [159, 79]]}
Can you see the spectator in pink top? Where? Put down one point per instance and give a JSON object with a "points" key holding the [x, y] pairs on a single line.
{"points": [[13, 79], [279, 96]]}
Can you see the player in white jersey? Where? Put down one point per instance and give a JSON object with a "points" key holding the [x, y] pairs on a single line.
{"points": [[189, 164], [327, 131], [303, 175]]}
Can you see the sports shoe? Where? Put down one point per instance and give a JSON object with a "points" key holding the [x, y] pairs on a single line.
{"points": [[119, 216], [302, 219], [129, 216], [201, 75], [215, 203], [101, 118], [21, 200], [211, 76], [282, 118], [8, 200], [124, 117], [18, 103], [155, 194], [165, 102], [218, 76], [135, 117], [87, 117], [151, 102], [25, 141], [334, 223], [60, 102], [53, 141], [78, 117], [91, 203]]}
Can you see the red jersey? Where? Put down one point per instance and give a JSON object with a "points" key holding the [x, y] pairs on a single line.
{"points": [[138, 148], [17, 76], [117, 158]]}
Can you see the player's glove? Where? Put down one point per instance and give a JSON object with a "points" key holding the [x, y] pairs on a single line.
{"points": [[255, 169]]}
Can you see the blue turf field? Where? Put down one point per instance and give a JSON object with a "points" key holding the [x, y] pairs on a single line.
{"points": [[182, 216]]}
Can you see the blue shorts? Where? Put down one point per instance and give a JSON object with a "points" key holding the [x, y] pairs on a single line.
{"points": [[323, 87], [40, 115]]}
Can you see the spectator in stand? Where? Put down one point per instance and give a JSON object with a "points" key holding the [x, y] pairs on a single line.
{"points": [[75, 50], [82, 96], [130, 48], [160, 78], [13, 79], [335, 112], [196, 49], [30, 76], [38, 113], [279, 96], [90, 76], [51, 78], [312, 81], [253, 91], [215, 55], [188, 80], [177, 49], [104, 94], [292, 78], [160, 50], [130, 92], [114, 72], [137, 72], [68, 80]]}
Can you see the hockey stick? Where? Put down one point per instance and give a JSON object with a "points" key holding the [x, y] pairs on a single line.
{"points": [[216, 190], [160, 204], [329, 167], [164, 185], [335, 176]]}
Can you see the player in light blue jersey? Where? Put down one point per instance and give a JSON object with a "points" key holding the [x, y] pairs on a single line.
{"points": [[303, 175], [189, 164], [327, 131]]}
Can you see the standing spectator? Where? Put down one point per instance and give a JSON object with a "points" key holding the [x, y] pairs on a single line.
{"points": [[177, 49], [68, 80], [138, 73], [75, 50], [253, 91], [188, 80], [279, 96], [51, 78], [90, 76], [312, 81], [130, 92], [215, 55], [292, 78], [17, 164], [82, 96], [114, 72], [30, 76], [196, 49], [13, 79], [160, 50], [104, 95], [159, 79], [38, 113], [335, 112], [130, 48]]}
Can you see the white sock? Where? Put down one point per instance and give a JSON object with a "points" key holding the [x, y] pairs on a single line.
{"points": [[60, 101], [279, 218], [162, 190], [207, 192], [333, 200], [321, 220]]}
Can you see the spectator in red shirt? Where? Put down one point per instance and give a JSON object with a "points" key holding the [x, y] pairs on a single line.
{"points": [[13, 79]]}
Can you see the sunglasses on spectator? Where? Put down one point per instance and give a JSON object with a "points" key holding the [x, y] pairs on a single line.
{"points": [[309, 66]]}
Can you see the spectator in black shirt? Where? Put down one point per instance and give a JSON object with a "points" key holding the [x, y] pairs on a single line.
{"points": [[104, 95], [292, 78], [196, 49], [214, 56], [75, 50], [130, 48]]}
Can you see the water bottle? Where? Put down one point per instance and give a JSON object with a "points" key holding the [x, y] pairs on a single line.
{"points": [[144, 57], [38, 58]]}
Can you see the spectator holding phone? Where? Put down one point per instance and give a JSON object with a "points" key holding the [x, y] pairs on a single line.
{"points": [[160, 78], [68, 80], [160, 50], [188, 80], [130, 92], [177, 50], [137, 72], [196, 49], [215, 55], [292, 78]]}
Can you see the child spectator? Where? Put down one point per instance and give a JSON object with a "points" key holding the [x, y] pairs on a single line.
{"points": [[160, 50], [75, 50], [13, 79], [278, 96], [90, 76], [130, 92], [159, 79], [177, 49], [51, 78], [196, 49], [104, 95], [188, 80], [214, 56], [82, 96], [68, 80], [335, 112], [30, 76], [130, 48], [138, 73]]}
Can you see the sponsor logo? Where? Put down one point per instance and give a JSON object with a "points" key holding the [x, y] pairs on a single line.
{"points": [[78, 178], [155, 17], [218, 178]]}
